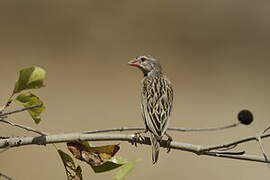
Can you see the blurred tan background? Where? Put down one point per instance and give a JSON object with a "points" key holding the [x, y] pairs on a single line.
{"points": [[216, 53]]}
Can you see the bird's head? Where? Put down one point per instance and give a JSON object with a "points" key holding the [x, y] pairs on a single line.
{"points": [[148, 64]]}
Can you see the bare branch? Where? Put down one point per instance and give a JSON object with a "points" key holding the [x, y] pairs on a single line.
{"points": [[239, 157], [250, 138], [203, 129], [20, 110], [197, 149], [9, 101], [5, 176], [181, 129], [114, 130], [229, 152], [266, 129], [259, 139], [23, 127]]}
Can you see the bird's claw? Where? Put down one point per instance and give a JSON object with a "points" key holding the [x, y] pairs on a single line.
{"points": [[136, 138], [140, 136], [168, 144]]}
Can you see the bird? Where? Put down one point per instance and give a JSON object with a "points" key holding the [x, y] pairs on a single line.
{"points": [[156, 101]]}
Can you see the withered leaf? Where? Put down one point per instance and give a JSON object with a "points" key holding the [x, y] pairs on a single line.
{"points": [[72, 172], [100, 158]]}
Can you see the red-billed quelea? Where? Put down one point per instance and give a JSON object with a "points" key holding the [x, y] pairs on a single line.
{"points": [[156, 100]]}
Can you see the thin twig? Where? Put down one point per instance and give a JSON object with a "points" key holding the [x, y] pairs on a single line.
{"points": [[229, 152], [20, 110], [228, 148], [259, 139], [9, 101], [4, 150], [250, 138], [24, 127], [182, 129], [114, 130], [197, 149], [6, 177], [203, 129], [266, 129], [246, 157]]}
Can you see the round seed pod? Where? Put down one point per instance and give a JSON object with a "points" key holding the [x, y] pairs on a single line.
{"points": [[245, 117]]}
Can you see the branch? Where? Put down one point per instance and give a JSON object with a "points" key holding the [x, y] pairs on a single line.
{"points": [[197, 149], [181, 129], [20, 110], [9, 101], [259, 139], [5, 176], [23, 127], [232, 143]]}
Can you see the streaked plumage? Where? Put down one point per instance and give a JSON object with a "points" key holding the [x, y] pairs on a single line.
{"points": [[156, 100]]}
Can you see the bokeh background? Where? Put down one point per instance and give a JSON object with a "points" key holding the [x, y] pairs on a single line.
{"points": [[216, 53]]}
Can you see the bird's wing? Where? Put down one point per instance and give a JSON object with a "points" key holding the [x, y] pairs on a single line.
{"points": [[157, 100]]}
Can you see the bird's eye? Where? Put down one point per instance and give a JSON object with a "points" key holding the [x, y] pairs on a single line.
{"points": [[143, 59]]}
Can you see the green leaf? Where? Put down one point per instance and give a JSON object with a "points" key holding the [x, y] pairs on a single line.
{"points": [[72, 172], [29, 99], [30, 78], [125, 170]]}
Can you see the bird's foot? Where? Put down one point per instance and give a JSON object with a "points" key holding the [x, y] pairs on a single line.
{"points": [[168, 144], [138, 137]]}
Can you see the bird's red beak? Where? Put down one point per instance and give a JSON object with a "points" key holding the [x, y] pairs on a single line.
{"points": [[134, 62]]}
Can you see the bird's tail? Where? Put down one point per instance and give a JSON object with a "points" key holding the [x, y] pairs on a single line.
{"points": [[155, 147]]}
